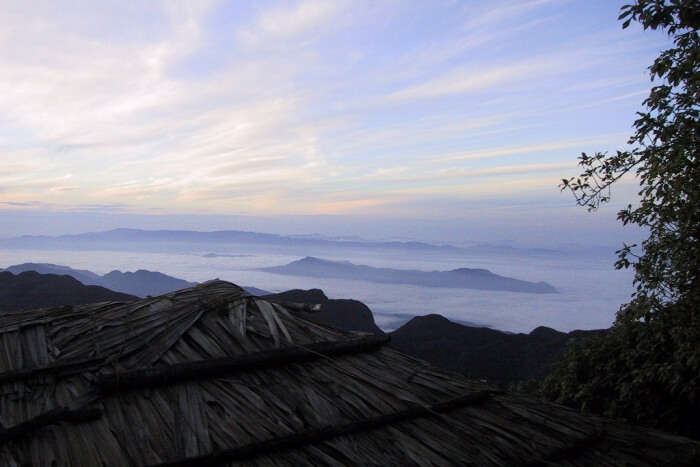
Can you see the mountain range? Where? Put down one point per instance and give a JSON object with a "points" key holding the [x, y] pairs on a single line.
{"points": [[171, 240], [30, 289], [476, 352], [484, 353], [467, 278], [141, 283]]}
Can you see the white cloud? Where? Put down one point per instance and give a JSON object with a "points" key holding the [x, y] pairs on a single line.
{"points": [[479, 77], [465, 80], [527, 149], [402, 175], [285, 21], [133, 130], [495, 13], [152, 106]]}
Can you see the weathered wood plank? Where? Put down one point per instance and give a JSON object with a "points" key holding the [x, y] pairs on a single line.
{"points": [[61, 369], [317, 435]]}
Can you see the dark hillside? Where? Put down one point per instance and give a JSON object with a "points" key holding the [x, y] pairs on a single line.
{"points": [[30, 290], [84, 276], [349, 315], [140, 283], [482, 352]]}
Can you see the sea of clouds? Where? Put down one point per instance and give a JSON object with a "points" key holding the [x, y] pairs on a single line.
{"points": [[591, 290]]}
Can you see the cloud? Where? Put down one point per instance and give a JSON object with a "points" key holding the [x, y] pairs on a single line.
{"points": [[112, 207], [288, 21], [28, 182], [64, 188], [496, 13], [115, 107], [491, 153], [139, 189], [286, 105], [609, 100], [73, 89], [21, 203], [465, 80], [481, 77], [348, 207], [403, 175]]}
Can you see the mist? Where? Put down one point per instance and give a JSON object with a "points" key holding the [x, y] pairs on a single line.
{"points": [[589, 289]]}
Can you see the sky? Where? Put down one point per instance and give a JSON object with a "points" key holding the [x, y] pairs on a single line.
{"points": [[305, 116]]}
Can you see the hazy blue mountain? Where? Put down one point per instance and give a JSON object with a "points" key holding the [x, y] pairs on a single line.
{"points": [[482, 352], [140, 283], [82, 275], [143, 283], [459, 278], [220, 255], [171, 240], [28, 290], [349, 315], [256, 291]]}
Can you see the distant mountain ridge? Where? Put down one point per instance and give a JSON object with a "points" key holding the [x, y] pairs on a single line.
{"points": [[485, 353], [30, 290], [143, 283], [155, 238], [140, 283], [82, 275], [481, 279]]}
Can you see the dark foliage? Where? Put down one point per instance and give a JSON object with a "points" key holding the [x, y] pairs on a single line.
{"points": [[647, 368], [629, 373]]}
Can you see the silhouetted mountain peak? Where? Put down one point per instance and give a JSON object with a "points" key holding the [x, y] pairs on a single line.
{"points": [[350, 315], [311, 296], [84, 276], [543, 332], [432, 318], [474, 272], [320, 261], [30, 289]]}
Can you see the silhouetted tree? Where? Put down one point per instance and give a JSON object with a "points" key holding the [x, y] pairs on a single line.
{"points": [[647, 368]]}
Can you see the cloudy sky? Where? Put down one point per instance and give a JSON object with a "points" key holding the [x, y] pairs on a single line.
{"points": [[422, 110]]}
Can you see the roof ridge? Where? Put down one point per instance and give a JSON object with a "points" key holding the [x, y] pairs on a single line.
{"points": [[171, 374]]}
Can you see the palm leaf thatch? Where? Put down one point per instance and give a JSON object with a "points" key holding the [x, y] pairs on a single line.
{"points": [[213, 376]]}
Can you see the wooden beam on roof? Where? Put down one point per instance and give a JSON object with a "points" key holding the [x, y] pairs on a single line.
{"points": [[317, 435], [213, 368], [59, 369], [59, 414]]}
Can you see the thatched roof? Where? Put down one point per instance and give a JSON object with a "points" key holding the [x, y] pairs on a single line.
{"points": [[211, 375]]}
